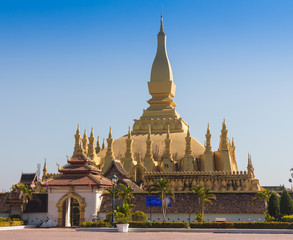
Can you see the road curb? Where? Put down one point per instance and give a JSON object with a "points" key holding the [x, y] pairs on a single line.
{"points": [[17, 227], [199, 230]]}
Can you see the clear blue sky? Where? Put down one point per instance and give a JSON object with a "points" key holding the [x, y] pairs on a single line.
{"points": [[88, 62]]}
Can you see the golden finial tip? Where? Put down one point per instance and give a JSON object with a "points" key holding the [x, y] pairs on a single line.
{"points": [[161, 27]]}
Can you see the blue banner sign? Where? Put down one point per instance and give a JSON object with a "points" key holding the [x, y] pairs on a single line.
{"points": [[155, 201]]}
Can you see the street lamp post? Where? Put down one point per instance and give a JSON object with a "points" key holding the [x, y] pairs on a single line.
{"points": [[114, 180]]}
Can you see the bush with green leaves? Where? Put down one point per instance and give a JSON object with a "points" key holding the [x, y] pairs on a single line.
{"points": [[109, 217], [11, 223], [242, 225], [199, 217], [4, 219], [287, 218], [139, 216], [125, 208], [274, 206], [95, 224], [149, 224], [286, 203], [122, 218]]}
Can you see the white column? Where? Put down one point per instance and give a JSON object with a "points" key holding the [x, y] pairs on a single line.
{"points": [[67, 216]]}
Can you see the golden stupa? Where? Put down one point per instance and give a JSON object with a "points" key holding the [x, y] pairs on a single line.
{"points": [[160, 145]]}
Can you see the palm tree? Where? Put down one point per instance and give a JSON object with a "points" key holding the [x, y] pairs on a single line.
{"points": [[162, 187], [126, 194], [25, 191], [263, 196], [204, 197], [109, 193]]}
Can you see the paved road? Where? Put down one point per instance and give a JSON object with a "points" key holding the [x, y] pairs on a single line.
{"points": [[71, 234]]}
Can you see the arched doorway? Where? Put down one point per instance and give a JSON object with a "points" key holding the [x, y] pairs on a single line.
{"points": [[70, 213], [71, 210]]}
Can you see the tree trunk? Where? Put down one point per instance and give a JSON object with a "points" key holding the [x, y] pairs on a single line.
{"points": [[163, 208]]}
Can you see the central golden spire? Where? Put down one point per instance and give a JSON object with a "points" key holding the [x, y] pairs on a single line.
{"points": [[161, 111]]}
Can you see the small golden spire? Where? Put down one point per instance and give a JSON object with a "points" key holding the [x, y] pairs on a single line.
{"points": [[249, 161], [44, 170], [168, 145], [208, 140], [129, 132], [208, 129], [85, 135], [77, 146], [128, 161], [92, 132], [103, 145], [45, 165], [224, 125], [84, 142], [149, 133], [223, 138], [188, 151], [109, 153], [91, 146], [161, 27], [98, 148], [168, 132]]}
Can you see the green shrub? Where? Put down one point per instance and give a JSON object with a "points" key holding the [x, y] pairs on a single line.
{"points": [[4, 219], [274, 206], [122, 218], [95, 224], [16, 223], [11, 223], [212, 225], [16, 216], [268, 217], [125, 209], [286, 203], [287, 218], [248, 225], [139, 216], [158, 224], [109, 217], [5, 224], [199, 217]]}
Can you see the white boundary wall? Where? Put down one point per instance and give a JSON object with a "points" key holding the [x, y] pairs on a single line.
{"points": [[184, 217]]}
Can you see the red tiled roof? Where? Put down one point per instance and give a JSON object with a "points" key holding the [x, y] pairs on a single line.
{"points": [[80, 159], [131, 184], [78, 180], [79, 169], [116, 164]]}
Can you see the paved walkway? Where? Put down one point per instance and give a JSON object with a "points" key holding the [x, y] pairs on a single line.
{"points": [[72, 234]]}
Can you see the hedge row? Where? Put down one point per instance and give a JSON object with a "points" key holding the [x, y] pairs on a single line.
{"points": [[95, 224], [139, 224], [287, 218], [249, 225], [11, 223], [158, 225]]}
